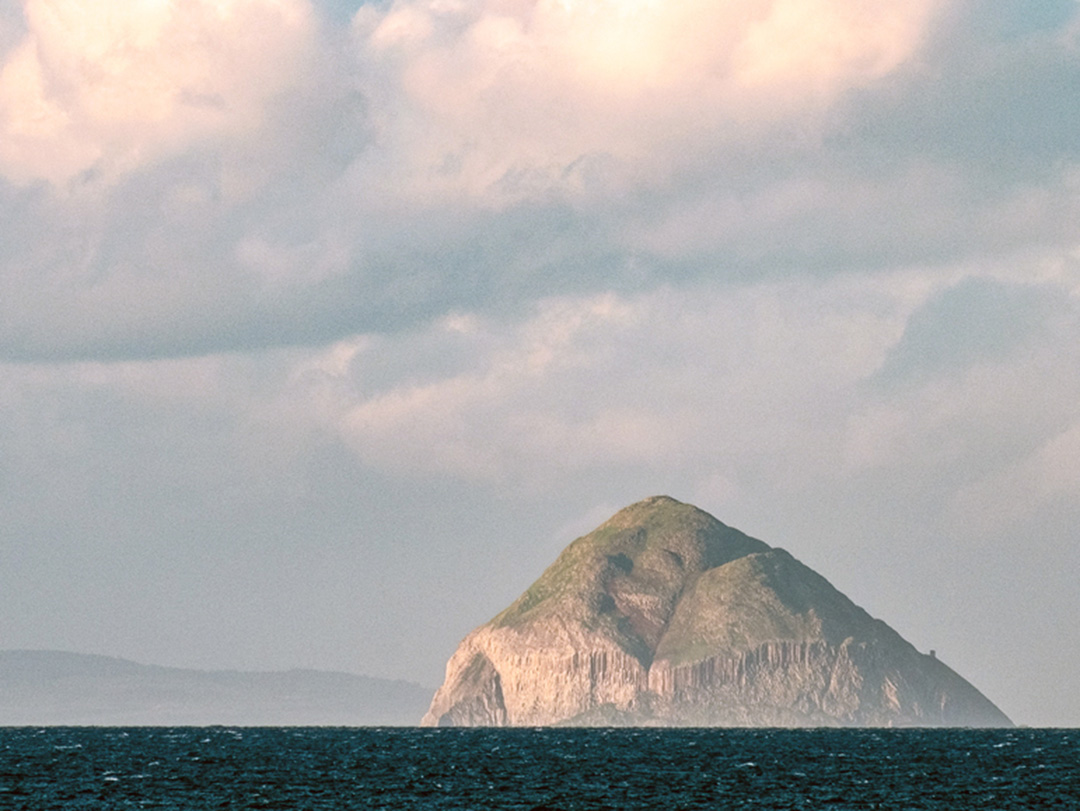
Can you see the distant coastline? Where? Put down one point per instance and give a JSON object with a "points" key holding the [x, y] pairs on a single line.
{"points": [[54, 688]]}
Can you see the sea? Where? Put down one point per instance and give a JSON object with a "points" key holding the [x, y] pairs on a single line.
{"points": [[546, 769]]}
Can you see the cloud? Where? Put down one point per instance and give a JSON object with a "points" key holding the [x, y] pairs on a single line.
{"points": [[976, 320], [700, 379], [1043, 481], [437, 157], [771, 393], [107, 89], [763, 394], [504, 100]]}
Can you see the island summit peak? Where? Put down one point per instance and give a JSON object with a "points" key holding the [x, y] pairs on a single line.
{"points": [[663, 615]]}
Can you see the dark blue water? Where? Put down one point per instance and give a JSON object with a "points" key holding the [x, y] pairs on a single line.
{"points": [[292, 768]]}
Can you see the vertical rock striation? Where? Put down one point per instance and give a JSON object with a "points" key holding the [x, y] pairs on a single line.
{"points": [[665, 616]]}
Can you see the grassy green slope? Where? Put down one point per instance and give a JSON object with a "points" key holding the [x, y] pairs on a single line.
{"points": [[625, 579], [762, 598]]}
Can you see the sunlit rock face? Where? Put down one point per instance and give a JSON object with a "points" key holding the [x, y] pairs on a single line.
{"points": [[665, 616]]}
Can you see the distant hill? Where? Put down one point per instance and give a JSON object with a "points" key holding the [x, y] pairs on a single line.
{"points": [[665, 616], [57, 688]]}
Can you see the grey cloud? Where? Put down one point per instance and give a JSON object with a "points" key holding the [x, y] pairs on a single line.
{"points": [[297, 237], [341, 11], [1012, 19], [1005, 107], [12, 23], [150, 277], [976, 320]]}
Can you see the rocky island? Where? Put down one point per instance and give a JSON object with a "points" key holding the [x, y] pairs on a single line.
{"points": [[665, 616]]}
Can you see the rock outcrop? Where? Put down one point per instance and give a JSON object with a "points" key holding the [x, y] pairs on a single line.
{"points": [[665, 616]]}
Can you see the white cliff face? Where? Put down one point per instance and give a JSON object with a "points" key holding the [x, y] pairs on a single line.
{"points": [[665, 616], [544, 675]]}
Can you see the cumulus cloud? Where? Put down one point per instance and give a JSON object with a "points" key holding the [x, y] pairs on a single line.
{"points": [[779, 392], [926, 381], [274, 178], [501, 100], [978, 319], [109, 88], [661, 380], [770, 392]]}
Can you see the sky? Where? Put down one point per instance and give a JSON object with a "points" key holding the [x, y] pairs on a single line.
{"points": [[325, 326]]}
